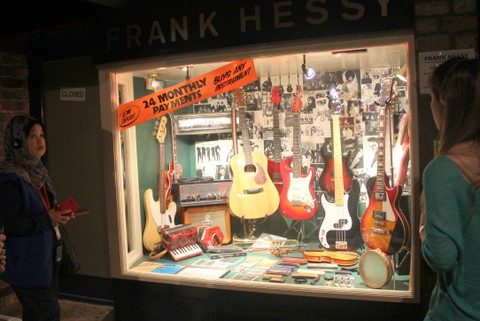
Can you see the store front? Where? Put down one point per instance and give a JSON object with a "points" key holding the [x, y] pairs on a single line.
{"points": [[280, 190]]}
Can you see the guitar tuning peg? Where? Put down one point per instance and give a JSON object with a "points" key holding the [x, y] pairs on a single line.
{"points": [[154, 133]]}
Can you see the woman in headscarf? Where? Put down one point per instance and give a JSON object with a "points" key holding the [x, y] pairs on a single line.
{"points": [[30, 218]]}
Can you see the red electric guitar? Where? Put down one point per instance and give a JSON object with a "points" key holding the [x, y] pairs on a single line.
{"points": [[297, 200], [384, 226], [274, 162]]}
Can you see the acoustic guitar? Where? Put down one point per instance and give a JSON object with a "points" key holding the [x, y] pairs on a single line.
{"points": [[384, 226], [157, 214], [274, 162], [297, 200], [252, 194], [340, 228]]}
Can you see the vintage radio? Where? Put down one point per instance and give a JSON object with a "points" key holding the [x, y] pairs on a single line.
{"points": [[190, 193]]}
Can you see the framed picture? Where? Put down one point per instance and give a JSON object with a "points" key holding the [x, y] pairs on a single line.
{"points": [[204, 123]]}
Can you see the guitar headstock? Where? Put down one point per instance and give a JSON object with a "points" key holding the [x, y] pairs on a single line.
{"points": [[239, 97], [276, 96], [297, 103], [161, 130]]}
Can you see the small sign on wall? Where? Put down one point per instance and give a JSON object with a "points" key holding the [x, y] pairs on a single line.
{"points": [[428, 61], [73, 94]]}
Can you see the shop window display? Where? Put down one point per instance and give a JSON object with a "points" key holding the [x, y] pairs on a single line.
{"points": [[287, 181]]}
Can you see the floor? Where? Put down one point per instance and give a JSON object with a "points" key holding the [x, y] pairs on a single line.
{"points": [[70, 311]]}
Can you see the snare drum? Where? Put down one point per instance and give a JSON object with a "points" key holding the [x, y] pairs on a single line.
{"points": [[375, 268]]}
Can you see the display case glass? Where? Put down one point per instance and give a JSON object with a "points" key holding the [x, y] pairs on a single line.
{"points": [[310, 191]]}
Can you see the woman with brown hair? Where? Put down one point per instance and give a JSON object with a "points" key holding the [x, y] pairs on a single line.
{"points": [[450, 227]]}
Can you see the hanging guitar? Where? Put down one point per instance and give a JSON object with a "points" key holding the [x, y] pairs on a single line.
{"points": [[157, 214], [340, 228], [384, 226], [274, 162], [297, 200], [252, 194], [174, 167]]}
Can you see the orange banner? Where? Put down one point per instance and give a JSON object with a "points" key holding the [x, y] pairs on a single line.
{"points": [[226, 78]]}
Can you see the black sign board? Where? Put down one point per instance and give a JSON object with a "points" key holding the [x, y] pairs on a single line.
{"points": [[178, 27]]}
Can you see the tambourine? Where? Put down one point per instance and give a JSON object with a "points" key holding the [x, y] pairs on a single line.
{"points": [[375, 268]]}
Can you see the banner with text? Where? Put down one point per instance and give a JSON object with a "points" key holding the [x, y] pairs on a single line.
{"points": [[236, 74]]}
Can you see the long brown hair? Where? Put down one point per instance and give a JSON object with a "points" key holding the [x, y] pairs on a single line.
{"points": [[456, 84]]}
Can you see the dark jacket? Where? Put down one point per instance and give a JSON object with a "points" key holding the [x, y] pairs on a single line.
{"points": [[31, 240]]}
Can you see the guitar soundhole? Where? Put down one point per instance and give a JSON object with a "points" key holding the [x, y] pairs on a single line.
{"points": [[250, 168]]}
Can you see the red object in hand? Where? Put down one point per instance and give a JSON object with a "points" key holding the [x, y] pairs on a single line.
{"points": [[69, 204]]}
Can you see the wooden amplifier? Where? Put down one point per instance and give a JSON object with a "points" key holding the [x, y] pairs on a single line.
{"points": [[218, 215]]}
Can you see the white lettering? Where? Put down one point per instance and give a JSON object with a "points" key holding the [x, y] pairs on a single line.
{"points": [[277, 14], [182, 30], [156, 33], [311, 7], [383, 4], [244, 18], [352, 5], [133, 34], [204, 24]]}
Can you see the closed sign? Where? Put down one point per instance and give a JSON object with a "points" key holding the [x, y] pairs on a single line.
{"points": [[72, 94]]}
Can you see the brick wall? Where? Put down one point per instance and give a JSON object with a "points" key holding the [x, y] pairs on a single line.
{"points": [[13, 89], [445, 24], [441, 25]]}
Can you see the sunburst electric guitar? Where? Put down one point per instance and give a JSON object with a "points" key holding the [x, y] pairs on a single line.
{"points": [[158, 214], [340, 228], [252, 194], [384, 226], [297, 200], [274, 162]]}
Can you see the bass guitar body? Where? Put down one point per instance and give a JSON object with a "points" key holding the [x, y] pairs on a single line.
{"points": [[155, 219], [252, 194], [275, 174], [340, 228], [297, 199], [384, 226]]}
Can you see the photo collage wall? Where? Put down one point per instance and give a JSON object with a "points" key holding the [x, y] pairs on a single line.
{"points": [[356, 95]]}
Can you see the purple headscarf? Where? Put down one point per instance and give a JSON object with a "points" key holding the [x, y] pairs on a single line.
{"points": [[17, 158]]}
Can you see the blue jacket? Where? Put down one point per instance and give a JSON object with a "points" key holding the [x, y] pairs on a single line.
{"points": [[31, 241]]}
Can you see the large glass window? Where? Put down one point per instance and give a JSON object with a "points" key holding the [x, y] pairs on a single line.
{"points": [[309, 189]]}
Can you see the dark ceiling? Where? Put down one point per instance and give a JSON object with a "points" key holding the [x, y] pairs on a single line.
{"points": [[21, 17]]}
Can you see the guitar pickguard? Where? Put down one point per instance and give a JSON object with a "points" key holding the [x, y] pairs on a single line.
{"points": [[337, 218], [298, 192]]}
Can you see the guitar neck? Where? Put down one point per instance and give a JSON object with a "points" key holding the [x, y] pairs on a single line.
{"points": [[277, 144], [161, 177], [296, 149], [380, 186], [337, 160], [247, 149]]}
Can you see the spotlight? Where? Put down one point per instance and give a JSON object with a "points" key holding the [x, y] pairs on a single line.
{"points": [[308, 73], [153, 83]]}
